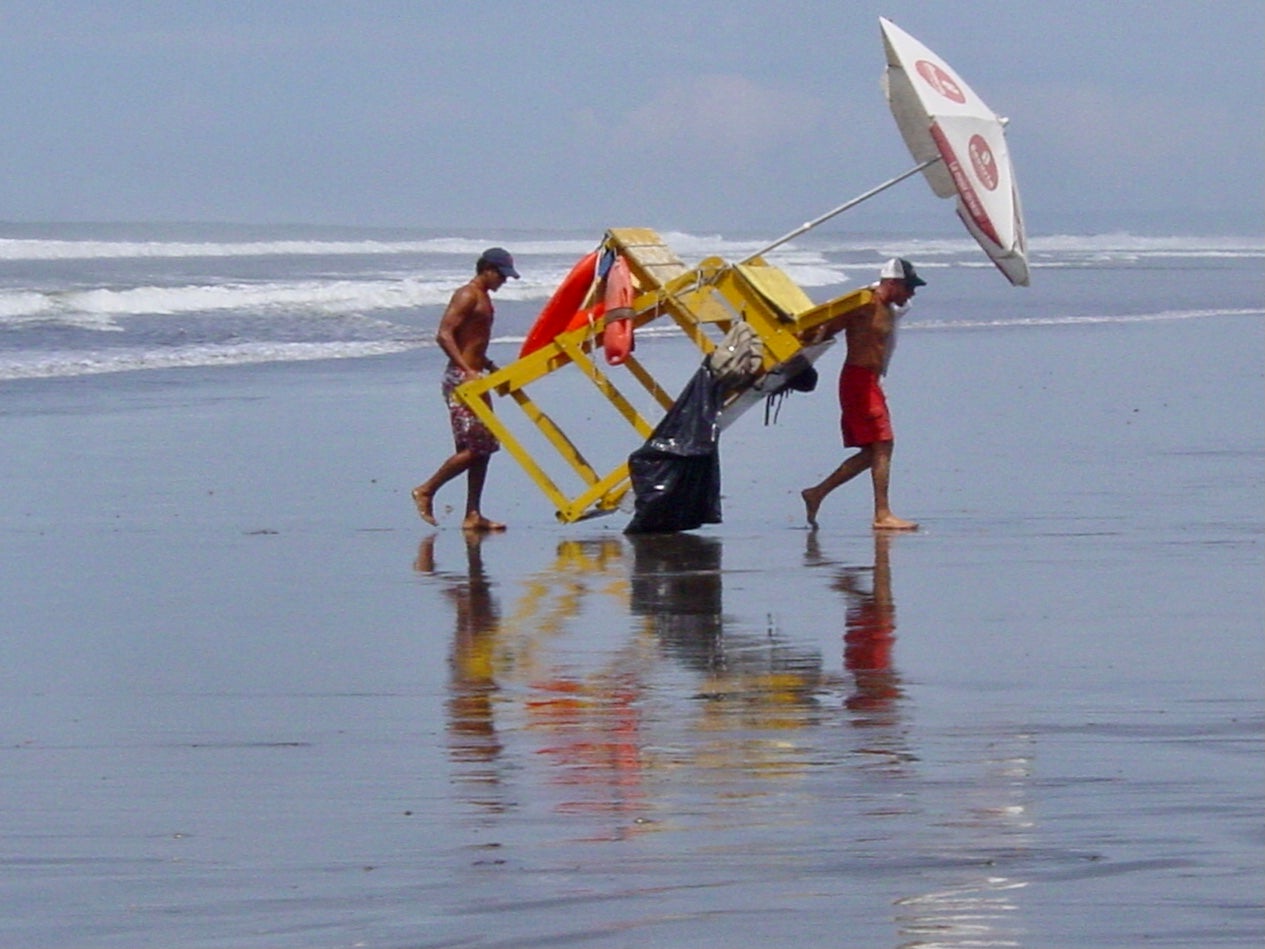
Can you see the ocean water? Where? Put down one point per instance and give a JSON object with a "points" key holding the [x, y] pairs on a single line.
{"points": [[77, 300]]}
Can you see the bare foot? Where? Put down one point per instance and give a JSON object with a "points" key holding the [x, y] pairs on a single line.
{"points": [[424, 506], [812, 501], [480, 524], [890, 522]]}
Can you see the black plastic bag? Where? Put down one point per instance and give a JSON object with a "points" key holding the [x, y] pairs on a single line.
{"points": [[676, 473]]}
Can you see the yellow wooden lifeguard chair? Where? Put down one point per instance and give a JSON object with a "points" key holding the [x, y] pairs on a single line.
{"points": [[704, 302]]}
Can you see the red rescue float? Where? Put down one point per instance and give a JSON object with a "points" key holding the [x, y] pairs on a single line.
{"points": [[617, 337], [562, 306]]}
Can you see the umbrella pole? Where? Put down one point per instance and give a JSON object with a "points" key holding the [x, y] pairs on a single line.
{"points": [[809, 225]]}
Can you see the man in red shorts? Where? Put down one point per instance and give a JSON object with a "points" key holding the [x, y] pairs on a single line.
{"points": [[465, 330], [870, 335]]}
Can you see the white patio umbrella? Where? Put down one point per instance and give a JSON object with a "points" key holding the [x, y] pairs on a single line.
{"points": [[940, 116], [959, 144]]}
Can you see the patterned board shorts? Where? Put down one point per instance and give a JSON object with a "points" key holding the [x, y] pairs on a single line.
{"points": [[468, 431]]}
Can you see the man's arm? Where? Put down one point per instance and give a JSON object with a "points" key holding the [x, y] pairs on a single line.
{"points": [[833, 327]]}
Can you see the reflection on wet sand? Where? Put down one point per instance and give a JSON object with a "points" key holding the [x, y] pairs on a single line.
{"points": [[512, 674], [588, 722], [870, 634], [981, 910], [617, 692], [764, 681], [584, 694], [473, 739], [874, 697]]}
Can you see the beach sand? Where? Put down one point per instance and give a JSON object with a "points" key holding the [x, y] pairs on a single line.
{"points": [[251, 700]]}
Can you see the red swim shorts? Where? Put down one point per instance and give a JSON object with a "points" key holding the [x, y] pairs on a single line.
{"points": [[863, 408]]}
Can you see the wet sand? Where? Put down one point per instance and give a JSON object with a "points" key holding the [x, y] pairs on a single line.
{"points": [[251, 700]]}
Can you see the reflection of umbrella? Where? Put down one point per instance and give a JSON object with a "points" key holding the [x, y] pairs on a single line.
{"points": [[940, 116], [944, 122]]}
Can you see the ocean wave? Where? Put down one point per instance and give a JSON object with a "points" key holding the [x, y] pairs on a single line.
{"points": [[254, 305], [64, 365], [96, 307], [17, 249], [29, 249], [1125, 243], [1032, 321], [52, 365], [690, 247], [1120, 245]]}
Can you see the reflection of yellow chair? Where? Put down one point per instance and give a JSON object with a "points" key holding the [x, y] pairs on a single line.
{"points": [[702, 301]]}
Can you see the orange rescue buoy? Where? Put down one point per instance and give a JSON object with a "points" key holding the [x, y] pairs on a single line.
{"points": [[617, 337]]}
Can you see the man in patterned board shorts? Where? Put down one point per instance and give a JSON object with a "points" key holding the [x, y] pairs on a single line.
{"points": [[869, 332], [464, 333]]}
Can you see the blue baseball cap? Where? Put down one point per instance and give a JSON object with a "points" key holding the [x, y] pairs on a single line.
{"points": [[502, 260]]}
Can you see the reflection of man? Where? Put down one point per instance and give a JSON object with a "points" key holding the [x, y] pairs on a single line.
{"points": [[473, 685], [870, 632]]}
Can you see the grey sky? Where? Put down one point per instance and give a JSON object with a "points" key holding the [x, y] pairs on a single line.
{"points": [[735, 115]]}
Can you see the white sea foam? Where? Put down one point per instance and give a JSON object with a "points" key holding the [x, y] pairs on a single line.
{"points": [[1116, 318], [95, 308], [1124, 243], [43, 249], [58, 365], [28, 249], [690, 247], [1119, 246]]}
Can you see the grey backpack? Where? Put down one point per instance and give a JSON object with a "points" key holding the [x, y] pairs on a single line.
{"points": [[738, 359]]}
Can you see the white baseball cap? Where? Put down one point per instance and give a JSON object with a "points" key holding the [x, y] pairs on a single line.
{"points": [[900, 269]]}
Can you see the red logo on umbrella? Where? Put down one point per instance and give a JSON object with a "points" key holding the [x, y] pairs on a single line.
{"points": [[983, 162], [941, 81]]}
